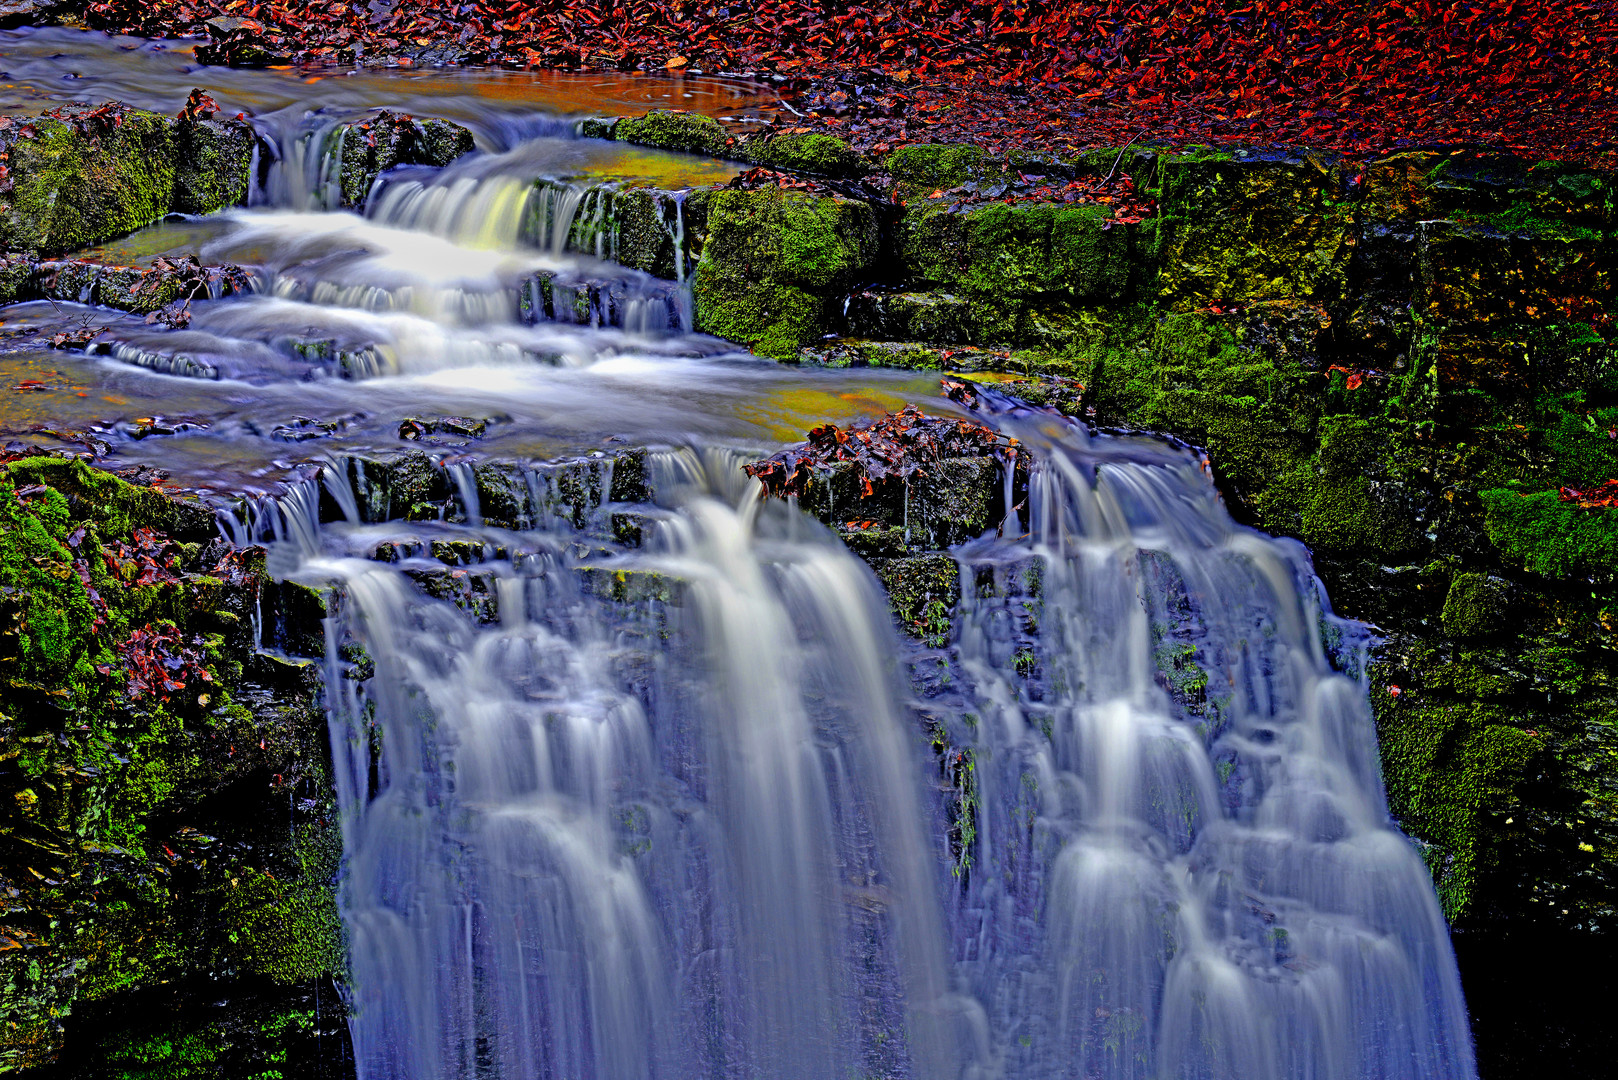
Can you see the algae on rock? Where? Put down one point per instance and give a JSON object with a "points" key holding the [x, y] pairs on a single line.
{"points": [[138, 696], [772, 263], [83, 176]]}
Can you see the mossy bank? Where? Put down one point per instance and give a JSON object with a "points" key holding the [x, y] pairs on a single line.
{"points": [[167, 822]]}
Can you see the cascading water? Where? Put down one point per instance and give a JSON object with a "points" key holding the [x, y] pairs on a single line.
{"points": [[568, 855], [1184, 864], [663, 812]]}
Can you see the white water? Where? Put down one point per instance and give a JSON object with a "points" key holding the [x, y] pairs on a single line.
{"points": [[1205, 882], [697, 833], [676, 842]]}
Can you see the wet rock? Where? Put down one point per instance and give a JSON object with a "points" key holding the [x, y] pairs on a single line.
{"points": [[923, 591], [213, 164], [775, 264], [853, 352], [140, 290], [32, 12], [84, 175], [385, 139], [306, 428], [668, 129], [910, 316], [465, 427]]}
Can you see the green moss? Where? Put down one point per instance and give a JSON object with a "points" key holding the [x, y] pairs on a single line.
{"points": [[77, 182], [115, 784], [1236, 230], [1454, 771], [771, 262], [923, 590], [809, 152], [52, 613], [1473, 607], [1549, 536], [670, 130], [289, 931], [213, 160], [1010, 260], [927, 167]]}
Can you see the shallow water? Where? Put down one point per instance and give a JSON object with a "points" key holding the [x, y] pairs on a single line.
{"points": [[43, 68]]}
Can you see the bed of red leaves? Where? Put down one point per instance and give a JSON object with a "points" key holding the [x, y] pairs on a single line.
{"points": [[898, 445], [1534, 75]]}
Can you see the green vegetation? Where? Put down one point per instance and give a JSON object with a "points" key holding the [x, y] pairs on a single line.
{"points": [[771, 261], [670, 130], [133, 696]]}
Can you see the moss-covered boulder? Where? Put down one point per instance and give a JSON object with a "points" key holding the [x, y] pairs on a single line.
{"points": [[79, 176], [775, 265], [166, 810], [670, 129], [385, 139], [84, 176], [1235, 229], [212, 165], [923, 168], [813, 152]]}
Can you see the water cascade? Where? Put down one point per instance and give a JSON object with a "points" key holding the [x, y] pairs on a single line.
{"points": [[668, 807], [571, 855], [1183, 863]]}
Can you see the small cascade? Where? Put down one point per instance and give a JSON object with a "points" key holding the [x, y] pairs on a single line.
{"points": [[305, 170], [466, 487]]}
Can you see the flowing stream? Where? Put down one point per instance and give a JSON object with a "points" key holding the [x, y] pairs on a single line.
{"points": [[622, 810]]}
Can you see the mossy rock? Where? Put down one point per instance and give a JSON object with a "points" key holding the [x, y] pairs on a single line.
{"points": [[667, 129], [1009, 260], [773, 262], [85, 178], [137, 697], [927, 167], [1482, 275], [384, 140], [1546, 535], [213, 164], [1236, 229], [923, 591], [807, 152]]}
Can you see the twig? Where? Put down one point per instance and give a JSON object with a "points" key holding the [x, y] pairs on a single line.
{"points": [[1119, 158]]}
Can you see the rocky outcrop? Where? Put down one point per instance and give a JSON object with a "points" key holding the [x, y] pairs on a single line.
{"points": [[168, 834], [79, 175], [368, 147]]}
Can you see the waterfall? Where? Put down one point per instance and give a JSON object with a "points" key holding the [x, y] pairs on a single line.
{"points": [[599, 839], [1178, 797]]}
